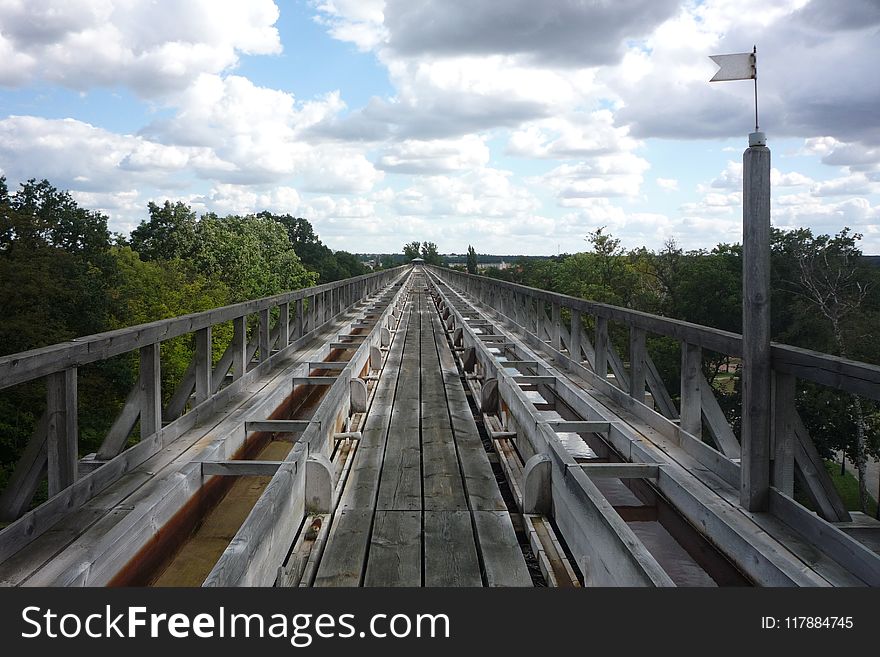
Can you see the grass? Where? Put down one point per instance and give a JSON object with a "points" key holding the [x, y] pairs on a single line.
{"points": [[848, 488]]}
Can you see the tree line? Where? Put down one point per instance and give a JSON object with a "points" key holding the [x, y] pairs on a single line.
{"points": [[63, 275]]}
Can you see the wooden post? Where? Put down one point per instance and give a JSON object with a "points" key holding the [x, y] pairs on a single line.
{"points": [[150, 386], [283, 325], [239, 347], [61, 412], [264, 334], [577, 329], [691, 395], [755, 470], [637, 363], [602, 347], [298, 319], [203, 364], [783, 431], [555, 321]]}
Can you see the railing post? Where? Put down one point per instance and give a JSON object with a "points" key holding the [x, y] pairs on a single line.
{"points": [[783, 431], [601, 366], [283, 325], [637, 363], [555, 321], [264, 334], [203, 364], [755, 470], [62, 429], [150, 385], [691, 395], [239, 347], [574, 349]]}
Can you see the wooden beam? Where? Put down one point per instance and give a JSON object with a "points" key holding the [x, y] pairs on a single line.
{"points": [[816, 478], [783, 432], [116, 438], [27, 475], [239, 347], [150, 384], [264, 334], [204, 365], [622, 470], [601, 364], [716, 421], [240, 468], [579, 426], [278, 426], [62, 431], [314, 380], [691, 393], [637, 352], [283, 325]]}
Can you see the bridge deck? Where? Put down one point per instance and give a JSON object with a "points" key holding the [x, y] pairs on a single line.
{"points": [[421, 505]]}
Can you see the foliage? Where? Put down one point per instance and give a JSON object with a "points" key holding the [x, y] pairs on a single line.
{"points": [[471, 260]]}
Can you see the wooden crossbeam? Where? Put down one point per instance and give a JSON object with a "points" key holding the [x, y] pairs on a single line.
{"points": [[621, 470], [327, 364], [579, 426], [277, 426], [314, 380], [534, 380], [240, 468]]}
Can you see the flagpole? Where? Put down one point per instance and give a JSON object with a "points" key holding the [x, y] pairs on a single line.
{"points": [[755, 64]]}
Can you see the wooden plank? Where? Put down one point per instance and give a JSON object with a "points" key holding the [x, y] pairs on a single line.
{"points": [[621, 470], [203, 365], [783, 432], [240, 468], [691, 392], [263, 331], [579, 426], [601, 364], [327, 365], [395, 551], [27, 475], [450, 550], [503, 559], [314, 380], [239, 347], [278, 426], [283, 325], [815, 476], [150, 382], [637, 353], [658, 390], [116, 438], [62, 432], [719, 427]]}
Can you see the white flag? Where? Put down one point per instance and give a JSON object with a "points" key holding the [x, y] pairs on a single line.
{"points": [[741, 66]]}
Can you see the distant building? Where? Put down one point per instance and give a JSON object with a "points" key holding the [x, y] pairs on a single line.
{"points": [[418, 261]]}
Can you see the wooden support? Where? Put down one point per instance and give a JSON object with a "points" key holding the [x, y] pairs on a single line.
{"points": [[117, 436], [783, 432], [536, 488], [576, 337], [298, 319], [239, 347], [601, 364], [277, 426], [490, 401], [328, 364], [579, 426], [240, 468], [203, 365], [555, 321], [359, 396], [283, 325], [534, 380], [375, 358], [691, 406], [318, 484], [27, 475], [264, 334], [815, 477], [622, 470], [384, 337], [314, 380], [662, 399], [719, 427], [755, 464], [637, 354], [150, 385], [62, 429]]}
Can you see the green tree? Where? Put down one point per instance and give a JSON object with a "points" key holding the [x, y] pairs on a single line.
{"points": [[471, 260], [169, 233], [412, 250], [430, 254]]}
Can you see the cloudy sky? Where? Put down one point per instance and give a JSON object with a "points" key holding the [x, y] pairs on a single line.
{"points": [[516, 126]]}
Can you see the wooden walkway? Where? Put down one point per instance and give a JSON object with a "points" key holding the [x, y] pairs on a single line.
{"points": [[421, 506]]}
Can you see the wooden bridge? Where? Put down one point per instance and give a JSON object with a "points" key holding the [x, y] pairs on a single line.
{"points": [[424, 427]]}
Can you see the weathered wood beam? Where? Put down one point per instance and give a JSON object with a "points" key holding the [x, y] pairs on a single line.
{"points": [[150, 386], [62, 429], [240, 468], [27, 475], [203, 365]]}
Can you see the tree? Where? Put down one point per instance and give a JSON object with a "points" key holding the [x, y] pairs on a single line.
{"points": [[471, 260], [412, 250], [169, 233], [827, 273], [430, 254]]}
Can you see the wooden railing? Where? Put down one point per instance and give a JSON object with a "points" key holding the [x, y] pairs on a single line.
{"points": [[53, 449], [539, 314]]}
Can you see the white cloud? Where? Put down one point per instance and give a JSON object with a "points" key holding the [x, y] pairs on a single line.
{"points": [[667, 184], [152, 46], [599, 177], [435, 155]]}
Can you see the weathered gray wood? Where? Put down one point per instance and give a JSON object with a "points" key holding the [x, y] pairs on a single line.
{"points": [[318, 484], [816, 478], [844, 549], [783, 432], [264, 334], [395, 552], [601, 364], [283, 325], [755, 464], [27, 475], [62, 429], [204, 364], [239, 347], [555, 325], [503, 560], [662, 399], [278, 426], [621, 470], [536, 489], [637, 354], [314, 380], [450, 551], [346, 551], [579, 426], [240, 468], [298, 323], [716, 421], [691, 391], [534, 380]]}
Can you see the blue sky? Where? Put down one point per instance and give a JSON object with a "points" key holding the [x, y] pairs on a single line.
{"points": [[518, 127]]}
